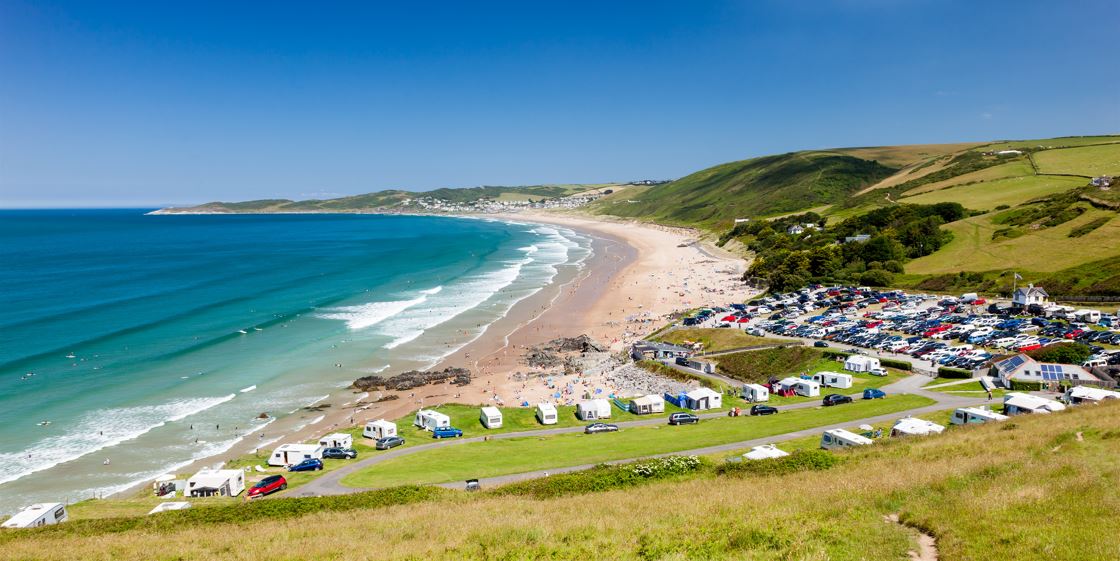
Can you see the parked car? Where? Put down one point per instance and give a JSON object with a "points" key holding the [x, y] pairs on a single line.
{"points": [[820, 344], [268, 486], [388, 442], [340, 453], [472, 485], [763, 410], [878, 371], [683, 419], [310, 464], [446, 432], [835, 399], [599, 427], [873, 393]]}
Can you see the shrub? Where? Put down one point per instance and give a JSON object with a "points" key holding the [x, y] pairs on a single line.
{"points": [[674, 374], [758, 366], [801, 460], [899, 364], [1064, 353], [604, 478], [1089, 226], [1021, 386], [953, 373]]}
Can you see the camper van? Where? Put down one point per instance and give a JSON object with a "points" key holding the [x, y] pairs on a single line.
{"points": [[833, 379], [975, 415], [490, 417], [546, 413], [838, 439], [42, 514]]}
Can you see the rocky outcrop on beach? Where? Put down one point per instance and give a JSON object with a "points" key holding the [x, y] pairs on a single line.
{"points": [[553, 353], [582, 344], [413, 379]]}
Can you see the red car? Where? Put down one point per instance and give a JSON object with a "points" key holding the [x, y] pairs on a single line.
{"points": [[268, 485]]}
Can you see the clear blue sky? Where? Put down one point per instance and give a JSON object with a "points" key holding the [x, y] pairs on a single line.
{"points": [[107, 104]]}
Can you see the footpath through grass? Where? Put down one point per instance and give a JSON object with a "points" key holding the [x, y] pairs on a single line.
{"points": [[531, 453]]}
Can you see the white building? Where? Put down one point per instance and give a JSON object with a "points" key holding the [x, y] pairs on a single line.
{"points": [[1029, 295], [860, 363], [833, 379], [910, 426], [764, 452], [836, 439], [170, 505], [647, 404], [429, 420], [593, 409], [490, 417], [42, 514], [216, 483], [288, 454], [546, 413], [975, 415], [337, 440], [755, 393], [1016, 403], [702, 399], [379, 429], [1026, 369]]}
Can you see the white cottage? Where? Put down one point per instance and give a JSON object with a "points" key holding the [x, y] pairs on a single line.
{"points": [[1029, 295], [379, 429], [429, 420], [216, 483], [490, 417], [593, 409], [546, 413]]}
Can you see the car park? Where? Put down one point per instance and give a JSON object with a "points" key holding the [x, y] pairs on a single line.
{"points": [[683, 419]]}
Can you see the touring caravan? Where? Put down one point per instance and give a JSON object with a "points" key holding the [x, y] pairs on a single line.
{"points": [[910, 426], [833, 379], [379, 429], [975, 415], [428, 419], [838, 439], [593, 410], [647, 404], [490, 417], [807, 388], [288, 454], [702, 399], [755, 393], [216, 483], [546, 413], [1021, 403], [337, 440], [1086, 394], [42, 514]]}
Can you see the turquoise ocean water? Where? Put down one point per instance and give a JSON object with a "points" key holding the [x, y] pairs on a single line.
{"points": [[151, 341]]}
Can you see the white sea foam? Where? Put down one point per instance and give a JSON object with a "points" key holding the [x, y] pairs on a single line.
{"points": [[248, 389], [361, 316], [98, 430]]}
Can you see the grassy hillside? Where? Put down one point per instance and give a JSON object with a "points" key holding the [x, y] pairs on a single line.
{"points": [[997, 491], [750, 188]]}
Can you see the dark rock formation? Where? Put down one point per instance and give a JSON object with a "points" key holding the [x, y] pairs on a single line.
{"points": [[413, 379]]}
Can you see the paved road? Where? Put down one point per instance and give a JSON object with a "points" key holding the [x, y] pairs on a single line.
{"points": [[329, 483]]}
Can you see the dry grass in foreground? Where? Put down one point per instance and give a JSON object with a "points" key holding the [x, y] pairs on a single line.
{"points": [[1043, 487]]}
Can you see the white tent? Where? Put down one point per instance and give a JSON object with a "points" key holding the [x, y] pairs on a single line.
{"points": [[839, 438], [41, 514], [428, 419], [647, 404], [288, 454], [1016, 403], [1088, 394], [379, 429], [764, 452], [490, 417], [337, 440], [216, 483], [593, 409], [701, 399], [975, 415], [170, 505], [546, 413], [859, 363], [807, 388], [755, 393], [909, 426], [833, 379]]}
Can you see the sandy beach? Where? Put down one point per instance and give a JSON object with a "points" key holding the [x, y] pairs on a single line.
{"points": [[638, 275]]}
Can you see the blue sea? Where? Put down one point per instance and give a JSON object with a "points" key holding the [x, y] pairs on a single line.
{"points": [[151, 341]]}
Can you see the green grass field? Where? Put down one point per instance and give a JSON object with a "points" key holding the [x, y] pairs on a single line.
{"points": [[717, 339], [1047, 250], [990, 194], [517, 455], [1050, 142], [1090, 161], [1017, 168]]}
